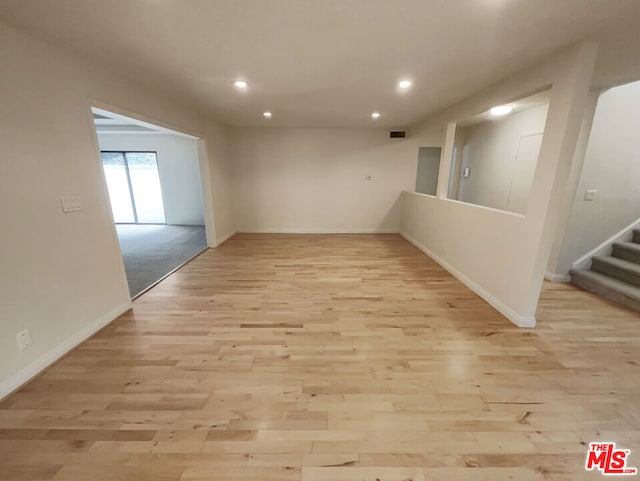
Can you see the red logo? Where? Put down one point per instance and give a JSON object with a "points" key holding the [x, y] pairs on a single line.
{"points": [[608, 460]]}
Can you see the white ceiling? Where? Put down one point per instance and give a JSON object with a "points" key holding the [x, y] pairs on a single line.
{"points": [[111, 123], [107, 123], [329, 63], [519, 105]]}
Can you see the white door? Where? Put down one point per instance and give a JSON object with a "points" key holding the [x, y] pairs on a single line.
{"points": [[523, 172]]}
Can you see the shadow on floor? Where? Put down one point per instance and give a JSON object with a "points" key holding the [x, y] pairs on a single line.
{"points": [[152, 251]]}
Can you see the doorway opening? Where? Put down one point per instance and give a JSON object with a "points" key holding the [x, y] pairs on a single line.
{"points": [[152, 176]]}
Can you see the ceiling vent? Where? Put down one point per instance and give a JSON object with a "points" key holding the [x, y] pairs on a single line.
{"points": [[397, 134]]}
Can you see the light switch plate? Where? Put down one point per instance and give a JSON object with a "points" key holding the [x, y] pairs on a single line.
{"points": [[590, 194], [71, 204]]}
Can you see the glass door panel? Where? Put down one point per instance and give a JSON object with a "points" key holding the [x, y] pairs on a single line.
{"points": [[134, 188], [145, 187], [115, 172]]}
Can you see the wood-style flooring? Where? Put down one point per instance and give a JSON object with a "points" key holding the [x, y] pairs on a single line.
{"points": [[330, 358]]}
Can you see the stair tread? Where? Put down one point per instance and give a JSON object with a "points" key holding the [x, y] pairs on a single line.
{"points": [[628, 245], [616, 285], [623, 264]]}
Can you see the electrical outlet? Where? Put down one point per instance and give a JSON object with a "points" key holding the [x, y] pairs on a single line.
{"points": [[590, 194], [24, 339]]}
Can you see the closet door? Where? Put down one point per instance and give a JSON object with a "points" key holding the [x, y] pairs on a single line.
{"points": [[523, 172]]}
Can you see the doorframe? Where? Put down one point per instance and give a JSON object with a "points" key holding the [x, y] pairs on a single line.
{"points": [[146, 121], [202, 150]]}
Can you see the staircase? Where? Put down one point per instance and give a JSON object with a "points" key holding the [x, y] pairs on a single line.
{"points": [[615, 277]]}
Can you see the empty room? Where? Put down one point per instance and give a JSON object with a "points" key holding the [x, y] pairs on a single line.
{"points": [[319, 241], [154, 183]]}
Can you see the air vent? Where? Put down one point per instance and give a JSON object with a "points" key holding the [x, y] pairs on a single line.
{"points": [[397, 134]]}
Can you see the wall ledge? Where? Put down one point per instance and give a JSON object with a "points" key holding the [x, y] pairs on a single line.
{"points": [[30, 371], [318, 231], [501, 307]]}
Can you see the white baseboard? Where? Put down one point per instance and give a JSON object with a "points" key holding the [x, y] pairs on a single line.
{"points": [[506, 311], [27, 373], [318, 231], [225, 238], [553, 277]]}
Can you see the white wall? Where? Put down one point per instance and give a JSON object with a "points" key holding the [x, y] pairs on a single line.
{"points": [[612, 167], [178, 168], [571, 187], [215, 171], [500, 255], [490, 150], [314, 180], [62, 274], [428, 170]]}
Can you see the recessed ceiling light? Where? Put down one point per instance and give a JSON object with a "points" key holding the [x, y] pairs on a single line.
{"points": [[375, 115], [241, 84], [267, 115], [501, 110], [404, 84]]}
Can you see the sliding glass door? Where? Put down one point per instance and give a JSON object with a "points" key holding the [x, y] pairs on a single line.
{"points": [[134, 187]]}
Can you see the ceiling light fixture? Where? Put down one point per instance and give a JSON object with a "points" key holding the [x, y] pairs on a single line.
{"points": [[241, 84], [267, 115], [375, 115], [404, 84], [501, 110]]}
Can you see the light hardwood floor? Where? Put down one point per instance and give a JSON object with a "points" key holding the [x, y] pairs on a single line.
{"points": [[330, 358]]}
